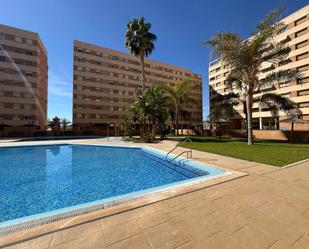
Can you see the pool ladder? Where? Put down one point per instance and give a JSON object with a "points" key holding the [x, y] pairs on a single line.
{"points": [[188, 152]]}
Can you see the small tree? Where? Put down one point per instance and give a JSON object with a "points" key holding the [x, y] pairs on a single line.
{"points": [[55, 125], [65, 123], [180, 95], [129, 126]]}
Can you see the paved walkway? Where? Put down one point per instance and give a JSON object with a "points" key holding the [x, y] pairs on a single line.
{"points": [[268, 209]]}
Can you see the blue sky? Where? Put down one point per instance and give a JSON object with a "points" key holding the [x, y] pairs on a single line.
{"points": [[180, 26]]}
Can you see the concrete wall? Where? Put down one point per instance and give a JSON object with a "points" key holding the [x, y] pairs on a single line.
{"points": [[298, 136]]}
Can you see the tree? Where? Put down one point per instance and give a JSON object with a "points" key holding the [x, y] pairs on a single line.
{"points": [[54, 124], [223, 107], [65, 123], [274, 103], [139, 40], [151, 106], [129, 125], [247, 56], [156, 107], [180, 95]]}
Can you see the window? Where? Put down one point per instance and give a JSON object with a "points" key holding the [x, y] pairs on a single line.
{"points": [[301, 32], [29, 41], [16, 106], [303, 68], [300, 20], [301, 44], [305, 104], [18, 39], [29, 74], [303, 93], [301, 56], [304, 80], [284, 84]]}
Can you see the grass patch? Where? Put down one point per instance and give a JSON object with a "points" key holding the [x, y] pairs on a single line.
{"points": [[275, 153]]}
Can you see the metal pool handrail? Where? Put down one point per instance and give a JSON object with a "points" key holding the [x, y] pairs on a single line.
{"points": [[189, 152]]}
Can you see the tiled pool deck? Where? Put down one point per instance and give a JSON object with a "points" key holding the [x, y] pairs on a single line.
{"points": [[268, 208]]}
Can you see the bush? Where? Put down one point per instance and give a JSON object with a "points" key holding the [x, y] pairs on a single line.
{"points": [[147, 138]]}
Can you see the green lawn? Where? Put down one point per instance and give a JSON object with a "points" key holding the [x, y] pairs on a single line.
{"points": [[268, 152]]}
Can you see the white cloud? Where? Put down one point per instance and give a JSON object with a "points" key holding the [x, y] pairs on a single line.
{"points": [[59, 86]]}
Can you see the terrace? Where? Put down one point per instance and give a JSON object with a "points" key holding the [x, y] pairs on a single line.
{"points": [[266, 208]]}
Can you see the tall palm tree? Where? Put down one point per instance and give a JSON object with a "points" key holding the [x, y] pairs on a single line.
{"points": [[247, 56], [181, 95], [139, 40]]}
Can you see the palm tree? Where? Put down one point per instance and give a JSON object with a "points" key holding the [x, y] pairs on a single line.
{"points": [[65, 123], [139, 40], [54, 124], [151, 106], [275, 103], [223, 107], [181, 95], [246, 59], [156, 107]]}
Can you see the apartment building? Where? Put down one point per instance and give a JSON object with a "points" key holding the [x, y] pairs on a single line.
{"points": [[105, 84], [23, 78], [295, 33]]}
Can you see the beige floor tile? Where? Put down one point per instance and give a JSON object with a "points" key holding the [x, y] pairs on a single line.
{"points": [[117, 219], [253, 238], [153, 219], [136, 242], [220, 240], [37, 243], [165, 235], [93, 241], [84, 230], [121, 232], [188, 245], [302, 242]]}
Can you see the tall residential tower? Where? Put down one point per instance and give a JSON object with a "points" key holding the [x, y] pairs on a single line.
{"points": [[295, 33], [23, 78], [105, 83]]}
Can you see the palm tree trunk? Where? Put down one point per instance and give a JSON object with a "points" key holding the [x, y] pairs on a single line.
{"points": [[176, 117], [292, 130], [249, 119], [142, 57], [246, 117], [154, 126], [277, 122]]}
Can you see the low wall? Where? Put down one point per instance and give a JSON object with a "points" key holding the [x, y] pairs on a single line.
{"points": [[298, 136]]}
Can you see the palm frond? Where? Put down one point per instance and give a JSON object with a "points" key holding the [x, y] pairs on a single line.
{"points": [[281, 76]]}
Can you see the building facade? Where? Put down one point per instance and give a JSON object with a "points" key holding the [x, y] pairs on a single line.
{"points": [[23, 78], [106, 81], [295, 33]]}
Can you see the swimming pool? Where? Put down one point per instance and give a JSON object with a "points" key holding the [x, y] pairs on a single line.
{"points": [[36, 180]]}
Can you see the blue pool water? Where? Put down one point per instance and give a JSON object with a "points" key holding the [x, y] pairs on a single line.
{"points": [[37, 179]]}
